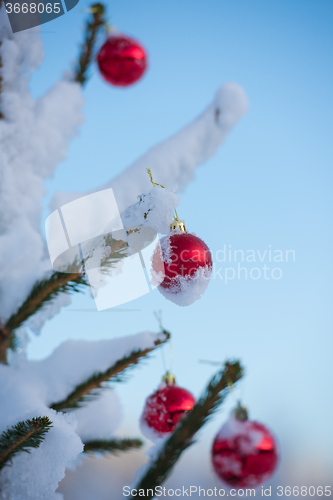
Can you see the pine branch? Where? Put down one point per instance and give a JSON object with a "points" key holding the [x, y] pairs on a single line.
{"points": [[43, 292], [118, 248], [20, 437], [47, 289], [112, 446], [184, 435], [92, 27], [115, 373]]}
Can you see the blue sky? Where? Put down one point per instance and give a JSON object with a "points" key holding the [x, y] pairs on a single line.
{"points": [[269, 184]]}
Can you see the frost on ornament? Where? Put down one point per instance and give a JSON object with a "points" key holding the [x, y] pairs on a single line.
{"points": [[244, 453], [187, 267], [164, 409]]}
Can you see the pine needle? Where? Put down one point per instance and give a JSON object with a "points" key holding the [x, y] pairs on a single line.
{"points": [[22, 436], [184, 435], [112, 446], [43, 292], [87, 48], [89, 388]]}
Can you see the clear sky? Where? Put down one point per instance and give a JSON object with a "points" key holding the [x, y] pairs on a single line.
{"points": [[268, 188]]}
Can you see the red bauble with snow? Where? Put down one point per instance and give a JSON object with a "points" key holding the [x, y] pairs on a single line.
{"points": [[122, 60], [164, 409], [187, 263], [244, 453]]}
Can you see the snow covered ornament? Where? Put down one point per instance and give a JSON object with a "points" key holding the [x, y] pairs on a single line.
{"points": [[164, 409], [244, 452], [187, 264], [122, 61]]}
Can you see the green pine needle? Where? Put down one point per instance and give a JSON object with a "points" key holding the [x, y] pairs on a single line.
{"points": [[184, 435], [22, 436], [43, 292], [112, 446], [93, 26], [89, 388]]}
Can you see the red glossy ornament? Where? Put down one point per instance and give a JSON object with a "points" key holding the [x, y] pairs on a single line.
{"points": [[164, 408], [244, 453], [183, 254], [122, 60]]}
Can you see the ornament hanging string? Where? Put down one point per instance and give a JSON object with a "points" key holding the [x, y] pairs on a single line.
{"points": [[158, 316], [156, 184], [171, 353]]}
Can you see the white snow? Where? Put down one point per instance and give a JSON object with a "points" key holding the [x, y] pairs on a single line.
{"points": [[34, 138], [27, 389], [155, 209], [36, 475], [79, 360], [244, 428], [100, 418], [36, 322], [174, 161], [150, 433], [152, 454], [187, 289]]}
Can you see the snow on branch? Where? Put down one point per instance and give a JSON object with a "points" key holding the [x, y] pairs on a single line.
{"points": [[166, 455], [34, 137], [175, 160], [112, 445], [22, 436], [42, 292], [114, 373]]}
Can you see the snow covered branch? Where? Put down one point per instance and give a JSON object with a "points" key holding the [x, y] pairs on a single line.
{"points": [[114, 373], [44, 291], [112, 445], [87, 48], [174, 161], [20, 437], [154, 474]]}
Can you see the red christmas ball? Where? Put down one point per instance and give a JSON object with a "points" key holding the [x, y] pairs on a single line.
{"points": [[122, 60], [163, 410], [244, 453], [186, 263]]}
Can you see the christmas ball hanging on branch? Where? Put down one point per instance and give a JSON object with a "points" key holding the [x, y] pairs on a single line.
{"points": [[244, 452], [187, 263], [181, 264], [164, 409], [122, 61]]}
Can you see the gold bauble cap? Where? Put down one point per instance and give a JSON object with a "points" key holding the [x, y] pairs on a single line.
{"points": [[168, 378], [178, 226]]}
